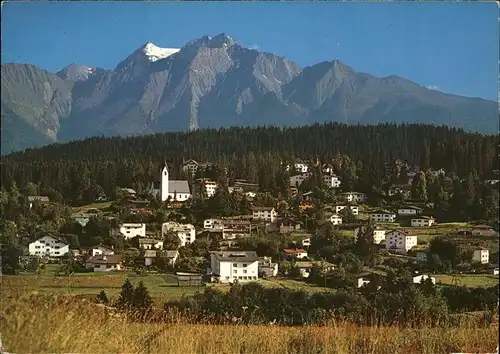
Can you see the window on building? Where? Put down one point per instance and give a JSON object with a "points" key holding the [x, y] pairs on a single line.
{"points": [[234, 271], [244, 271], [235, 265]]}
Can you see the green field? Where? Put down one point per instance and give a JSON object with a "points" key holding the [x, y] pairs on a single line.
{"points": [[161, 286], [470, 280]]}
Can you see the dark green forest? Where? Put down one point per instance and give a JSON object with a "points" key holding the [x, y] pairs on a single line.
{"points": [[358, 153]]}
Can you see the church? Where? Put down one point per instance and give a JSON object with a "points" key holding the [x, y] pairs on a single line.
{"points": [[166, 188]]}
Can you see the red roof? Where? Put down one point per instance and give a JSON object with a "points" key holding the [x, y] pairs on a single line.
{"points": [[293, 251]]}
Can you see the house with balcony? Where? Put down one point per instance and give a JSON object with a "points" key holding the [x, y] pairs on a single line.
{"points": [[422, 221], [130, 230], [48, 246], [409, 210], [400, 241], [354, 209], [336, 219], [332, 181], [268, 214], [294, 253], [379, 235], [481, 255], [105, 263], [267, 267], [185, 232], [383, 216], [150, 243], [228, 266], [354, 197]]}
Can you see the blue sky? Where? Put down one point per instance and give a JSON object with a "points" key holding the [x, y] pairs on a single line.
{"points": [[450, 46]]}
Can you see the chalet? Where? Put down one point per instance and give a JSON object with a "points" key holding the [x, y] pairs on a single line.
{"points": [[354, 197], [400, 240], [295, 253], [128, 192], [243, 186], [150, 243], [104, 263], [228, 266], [403, 190], [336, 219], [332, 181], [299, 166], [185, 232], [409, 210], [190, 167], [151, 254], [287, 225], [130, 230], [383, 216], [49, 246], [422, 221], [297, 179], [101, 250], [481, 255], [41, 199], [267, 267], [264, 213], [483, 230], [354, 209], [204, 186]]}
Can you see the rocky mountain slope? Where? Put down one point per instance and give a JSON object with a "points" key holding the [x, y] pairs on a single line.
{"points": [[213, 82]]}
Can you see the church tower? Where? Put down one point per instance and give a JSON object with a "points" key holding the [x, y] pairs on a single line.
{"points": [[164, 183]]}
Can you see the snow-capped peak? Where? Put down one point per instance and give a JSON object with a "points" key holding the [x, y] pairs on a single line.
{"points": [[154, 53]]}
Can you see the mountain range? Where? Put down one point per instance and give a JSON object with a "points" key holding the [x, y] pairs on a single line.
{"points": [[213, 82]]}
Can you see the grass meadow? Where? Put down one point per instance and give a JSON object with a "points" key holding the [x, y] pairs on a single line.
{"points": [[66, 324]]}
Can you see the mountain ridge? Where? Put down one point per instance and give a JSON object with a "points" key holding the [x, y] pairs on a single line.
{"points": [[214, 82]]}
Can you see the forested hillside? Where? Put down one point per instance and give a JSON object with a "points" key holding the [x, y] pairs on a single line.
{"points": [[251, 153]]}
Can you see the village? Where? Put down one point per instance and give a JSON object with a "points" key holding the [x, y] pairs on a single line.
{"points": [[400, 233]]}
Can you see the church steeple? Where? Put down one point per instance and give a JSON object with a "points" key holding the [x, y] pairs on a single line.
{"points": [[164, 183]]}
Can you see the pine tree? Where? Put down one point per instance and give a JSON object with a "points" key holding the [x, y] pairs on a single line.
{"points": [[141, 299], [126, 298], [102, 298]]}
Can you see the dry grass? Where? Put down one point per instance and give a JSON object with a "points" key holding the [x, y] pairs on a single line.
{"points": [[470, 280], [63, 324]]}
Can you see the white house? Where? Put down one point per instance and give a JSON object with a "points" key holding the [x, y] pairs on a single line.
{"points": [[295, 253], [150, 243], [362, 282], [332, 181], [422, 221], [101, 250], [229, 266], [383, 216], [354, 197], [205, 186], [296, 180], [264, 213], [213, 224], [299, 166], [176, 190], [185, 232], [354, 209], [130, 230], [403, 190], [419, 278], [400, 241], [104, 263], [306, 242], [379, 235], [481, 255], [336, 219], [409, 210], [48, 246]]}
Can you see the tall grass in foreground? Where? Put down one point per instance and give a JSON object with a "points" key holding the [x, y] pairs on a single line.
{"points": [[65, 324]]}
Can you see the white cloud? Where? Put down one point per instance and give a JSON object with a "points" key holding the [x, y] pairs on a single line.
{"points": [[433, 87], [253, 46]]}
